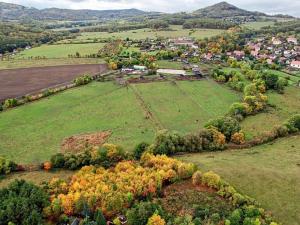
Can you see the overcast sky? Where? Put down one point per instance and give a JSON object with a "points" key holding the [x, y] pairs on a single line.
{"points": [[291, 7]]}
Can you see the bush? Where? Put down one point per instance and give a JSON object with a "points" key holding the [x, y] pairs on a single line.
{"points": [[47, 166], [236, 217], [141, 212], [22, 203], [226, 125], [270, 80], [281, 131], [7, 166], [211, 179], [58, 160], [293, 123], [237, 109], [196, 178], [238, 138], [85, 79], [140, 149], [10, 103], [168, 143], [1, 107], [156, 220]]}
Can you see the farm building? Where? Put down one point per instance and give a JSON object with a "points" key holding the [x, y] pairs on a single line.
{"points": [[171, 72], [141, 68]]}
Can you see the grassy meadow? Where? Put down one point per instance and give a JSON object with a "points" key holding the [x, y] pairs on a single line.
{"points": [[34, 132], [176, 31], [258, 24], [60, 50], [285, 105], [268, 173]]}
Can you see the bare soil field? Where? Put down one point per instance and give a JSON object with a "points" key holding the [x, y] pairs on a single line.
{"points": [[19, 82]]}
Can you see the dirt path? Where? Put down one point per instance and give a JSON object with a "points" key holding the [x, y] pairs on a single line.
{"points": [[146, 109]]}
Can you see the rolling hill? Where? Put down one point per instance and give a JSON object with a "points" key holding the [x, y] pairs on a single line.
{"points": [[10, 11], [224, 9]]}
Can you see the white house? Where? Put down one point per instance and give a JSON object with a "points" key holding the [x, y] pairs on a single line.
{"points": [[295, 64]]}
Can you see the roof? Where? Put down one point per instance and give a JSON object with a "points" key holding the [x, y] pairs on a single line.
{"points": [[295, 63], [171, 71]]}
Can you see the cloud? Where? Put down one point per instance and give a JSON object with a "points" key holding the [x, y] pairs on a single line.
{"points": [[268, 6]]}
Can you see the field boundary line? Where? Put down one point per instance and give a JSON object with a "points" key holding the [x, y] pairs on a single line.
{"points": [[190, 97], [146, 108]]}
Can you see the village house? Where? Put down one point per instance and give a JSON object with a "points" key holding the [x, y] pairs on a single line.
{"points": [[207, 56], [183, 41], [276, 41], [292, 40], [295, 64], [239, 54]]}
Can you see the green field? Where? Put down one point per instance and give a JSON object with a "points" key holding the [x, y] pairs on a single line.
{"points": [[268, 173], [259, 24], [28, 63], [33, 132], [166, 64], [176, 31], [286, 105], [60, 50]]}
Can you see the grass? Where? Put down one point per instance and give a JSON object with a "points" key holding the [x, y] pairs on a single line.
{"points": [[176, 31], [269, 173], [61, 50], [166, 64], [258, 25], [292, 80], [36, 177], [286, 105], [184, 106], [27, 63], [96, 107]]}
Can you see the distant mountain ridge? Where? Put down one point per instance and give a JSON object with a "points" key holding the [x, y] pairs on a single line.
{"points": [[10, 11], [224, 9]]}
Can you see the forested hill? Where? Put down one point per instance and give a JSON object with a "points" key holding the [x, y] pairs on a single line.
{"points": [[16, 12], [224, 9]]}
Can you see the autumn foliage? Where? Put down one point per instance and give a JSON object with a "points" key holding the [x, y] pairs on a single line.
{"points": [[114, 189]]}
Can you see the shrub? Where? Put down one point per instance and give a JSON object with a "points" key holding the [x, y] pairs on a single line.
{"points": [[236, 217], [10, 103], [1, 107], [238, 138], [196, 178], [139, 150], [47, 166], [238, 109], [211, 179], [280, 84], [22, 203], [168, 143], [281, 131], [141, 212], [85, 79], [226, 125], [7, 166], [293, 123], [156, 220], [270, 79], [58, 160]]}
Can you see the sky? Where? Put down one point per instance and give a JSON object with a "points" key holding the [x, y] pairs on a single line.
{"points": [[291, 7]]}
